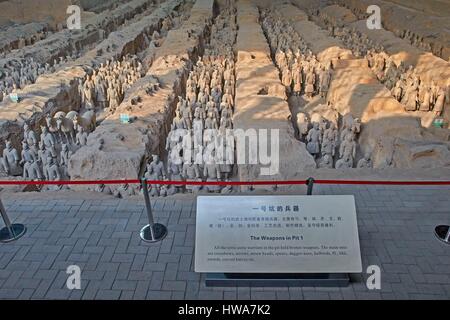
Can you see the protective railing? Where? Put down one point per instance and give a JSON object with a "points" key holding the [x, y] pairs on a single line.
{"points": [[154, 232], [226, 183]]}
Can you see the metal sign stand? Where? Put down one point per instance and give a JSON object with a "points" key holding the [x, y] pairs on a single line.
{"points": [[310, 184], [11, 231], [152, 232], [277, 280], [443, 233]]}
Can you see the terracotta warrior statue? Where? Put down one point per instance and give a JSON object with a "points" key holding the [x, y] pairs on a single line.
{"points": [[178, 122], [326, 162], [42, 157], [211, 171], [348, 148], [52, 169], [175, 168], [425, 98], [30, 137], [440, 102], [123, 191], [65, 157], [48, 140], [329, 140], [324, 82], [310, 83], [365, 162], [30, 163], [81, 137], [10, 160], [155, 171], [313, 140], [191, 172], [345, 162], [410, 98]]}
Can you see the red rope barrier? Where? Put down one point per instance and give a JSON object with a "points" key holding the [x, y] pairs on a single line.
{"points": [[392, 183], [229, 183], [64, 182]]}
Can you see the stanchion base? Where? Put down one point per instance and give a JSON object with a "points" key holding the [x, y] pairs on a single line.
{"points": [[18, 230], [441, 233], [159, 233]]}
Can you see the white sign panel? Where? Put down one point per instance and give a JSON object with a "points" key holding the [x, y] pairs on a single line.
{"points": [[277, 234]]}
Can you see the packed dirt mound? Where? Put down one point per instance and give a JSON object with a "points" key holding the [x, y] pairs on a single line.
{"points": [[261, 99]]}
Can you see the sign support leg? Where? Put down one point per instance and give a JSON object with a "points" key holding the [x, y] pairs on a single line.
{"points": [[11, 231], [152, 232], [310, 184]]}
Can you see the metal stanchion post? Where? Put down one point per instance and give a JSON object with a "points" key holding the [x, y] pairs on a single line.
{"points": [[11, 231], [443, 233], [310, 184], [153, 232]]}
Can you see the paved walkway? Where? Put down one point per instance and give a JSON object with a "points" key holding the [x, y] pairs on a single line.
{"points": [[101, 236]]}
